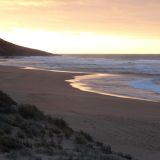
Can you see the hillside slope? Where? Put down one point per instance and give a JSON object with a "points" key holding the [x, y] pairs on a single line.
{"points": [[26, 133], [10, 49]]}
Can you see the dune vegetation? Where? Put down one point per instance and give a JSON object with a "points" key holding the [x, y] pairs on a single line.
{"points": [[27, 133]]}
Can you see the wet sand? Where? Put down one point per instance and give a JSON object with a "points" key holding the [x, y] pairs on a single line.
{"points": [[128, 125]]}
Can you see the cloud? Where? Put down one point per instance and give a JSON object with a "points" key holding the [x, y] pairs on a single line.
{"points": [[128, 18]]}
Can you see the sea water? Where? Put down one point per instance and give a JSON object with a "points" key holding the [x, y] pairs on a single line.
{"points": [[135, 76]]}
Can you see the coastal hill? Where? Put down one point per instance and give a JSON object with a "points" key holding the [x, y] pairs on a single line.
{"points": [[10, 49], [27, 133]]}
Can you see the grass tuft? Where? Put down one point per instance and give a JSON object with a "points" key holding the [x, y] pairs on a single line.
{"points": [[20, 135], [59, 122], [9, 143], [56, 130], [79, 140], [6, 103], [99, 144], [7, 130], [1, 132], [126, 156], [6, 99], [86, 135], [107, 149], [28, 111], [27, 144]]}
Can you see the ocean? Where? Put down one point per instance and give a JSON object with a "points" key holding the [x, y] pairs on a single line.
{"points": [[131, 76]]}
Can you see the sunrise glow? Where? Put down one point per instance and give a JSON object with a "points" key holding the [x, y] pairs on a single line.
{"points": [[76, 26]]}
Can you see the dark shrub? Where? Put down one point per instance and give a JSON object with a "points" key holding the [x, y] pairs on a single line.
{"points": [[52, 143], [56, 130], [49, 119], [43, 131], [15, 124], [6, 104], [1, 132], [5, 107], [30, 128], [67, 133], [107, 149], [20, 135], [24, 126], [7, 120], [59, 122], [90, 146], [128, 156], [6, 99], [45, 144], [29, 135], [8, 143], [30, 111], [7, 130], [59, 146], [19, 119], [79, 140], [27, 144], [86, 135], [99, 144], [60, 138], [4, 119], [50, 133]]}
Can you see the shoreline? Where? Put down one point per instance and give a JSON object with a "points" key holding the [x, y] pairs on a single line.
{"points": [[130, 126], [75, 83], [80, 86], [64, 77]]}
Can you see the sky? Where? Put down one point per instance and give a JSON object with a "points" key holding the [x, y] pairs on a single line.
{"points": [[82, 26]]}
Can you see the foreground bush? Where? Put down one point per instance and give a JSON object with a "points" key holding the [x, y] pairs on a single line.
{"points": [[30, 111], [6, 99], [107, 149], [8, 143], [35, 133], [6, 103], [79, 140], [126, 156], [59, 122], [86, 135]]}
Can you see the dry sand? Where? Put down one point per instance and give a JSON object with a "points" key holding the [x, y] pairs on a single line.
{"points": [[128, 125]]}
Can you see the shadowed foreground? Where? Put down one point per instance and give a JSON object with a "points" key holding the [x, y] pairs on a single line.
{"points": [[26, 132]]}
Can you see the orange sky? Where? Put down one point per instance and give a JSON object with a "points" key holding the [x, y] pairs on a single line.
{"points": [[83, 26]]}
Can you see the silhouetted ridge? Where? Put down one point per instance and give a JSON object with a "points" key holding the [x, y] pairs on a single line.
{"points": [[10, 49]]}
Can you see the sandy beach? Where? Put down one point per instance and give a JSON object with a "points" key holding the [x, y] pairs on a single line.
{"points": [[128, 125]]}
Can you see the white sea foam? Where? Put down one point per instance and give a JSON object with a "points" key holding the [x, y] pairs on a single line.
{"points": [[119, 85], [100, 65], [146, 84]]}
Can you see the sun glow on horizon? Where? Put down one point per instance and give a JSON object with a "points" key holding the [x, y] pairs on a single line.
{"points": [[69, 42], [82, 26]]}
